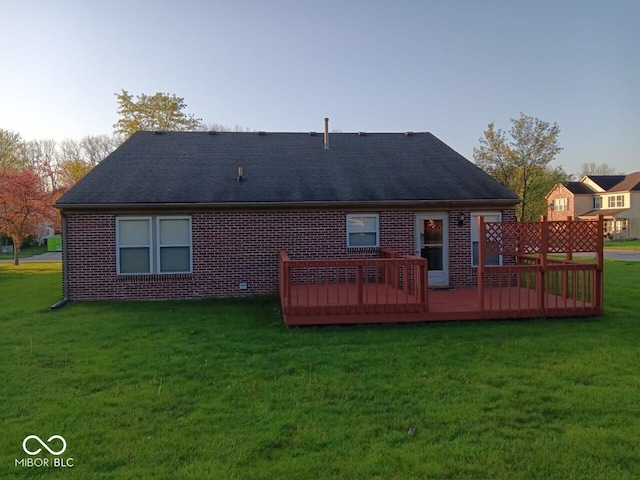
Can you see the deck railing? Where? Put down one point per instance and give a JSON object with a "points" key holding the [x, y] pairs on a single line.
{"points": [[393, 284], [536, 285]]}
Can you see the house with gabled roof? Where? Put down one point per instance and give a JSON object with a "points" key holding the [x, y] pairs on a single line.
{"points": [[204, 214], [345, 228], [615, 197]]}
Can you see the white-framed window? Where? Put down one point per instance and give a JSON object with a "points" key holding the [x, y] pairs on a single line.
{"points": [[560, 205], [488, 217], [597, 202], [363, 230], [174, 244], [146, 245], [616, 201]]}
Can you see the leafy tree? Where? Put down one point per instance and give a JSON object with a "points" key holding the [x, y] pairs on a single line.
{"points": [[161, 111], [12, 151], [594, 168], [24, 207], [71, 171], [520, 163]]}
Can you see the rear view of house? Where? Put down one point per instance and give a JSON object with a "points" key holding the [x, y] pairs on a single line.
{"points": [[206, 214]]}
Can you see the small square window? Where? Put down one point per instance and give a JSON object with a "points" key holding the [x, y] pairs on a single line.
{"points": [[362, 230]]}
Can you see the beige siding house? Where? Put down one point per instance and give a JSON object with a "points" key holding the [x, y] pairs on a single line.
{"points": [[615, 197]]}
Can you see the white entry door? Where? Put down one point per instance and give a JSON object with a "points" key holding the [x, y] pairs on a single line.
{"points": [[432, 243]]}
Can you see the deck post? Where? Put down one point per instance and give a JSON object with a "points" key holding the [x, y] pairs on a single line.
{"points": [[424, 282], [542, 274], [359, 287], [569, 257], [599, 278], [481, 247]]}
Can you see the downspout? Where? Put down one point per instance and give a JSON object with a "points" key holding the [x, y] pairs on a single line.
{"points": [[65, 273]]}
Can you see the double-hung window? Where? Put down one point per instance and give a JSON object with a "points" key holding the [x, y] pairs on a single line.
{"points": [[363, 230], [597, 202], [560, 205], [147, 245], [616, 201]]}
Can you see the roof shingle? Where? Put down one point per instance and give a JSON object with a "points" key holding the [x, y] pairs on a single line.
{"points": [[201, 168]]}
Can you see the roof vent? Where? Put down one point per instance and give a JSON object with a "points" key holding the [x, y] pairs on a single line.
{"points": [[312, 134], [408, 134], [212, 132], [239, 177], [362, 134], [158, 132], [326, 133], [262, 133]]}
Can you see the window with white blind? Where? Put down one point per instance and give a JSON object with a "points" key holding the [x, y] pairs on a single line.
{"points": [[363, 230]]}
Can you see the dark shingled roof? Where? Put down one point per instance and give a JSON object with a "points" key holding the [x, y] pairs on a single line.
{"points": [[606, 181], [291, 168], [579, 188]]}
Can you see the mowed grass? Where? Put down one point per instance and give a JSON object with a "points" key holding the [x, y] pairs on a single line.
{"points": [[221, 389], [622, 245], [25, 252]]}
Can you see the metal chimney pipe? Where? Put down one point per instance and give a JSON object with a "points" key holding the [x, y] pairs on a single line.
{"points": [[326, 133]]}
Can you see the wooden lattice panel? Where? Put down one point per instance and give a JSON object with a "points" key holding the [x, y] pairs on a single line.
{"points": [[512, 238], [526, 238]]}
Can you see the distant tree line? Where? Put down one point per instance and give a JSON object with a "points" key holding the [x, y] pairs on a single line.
{"points": [[34, 174]]}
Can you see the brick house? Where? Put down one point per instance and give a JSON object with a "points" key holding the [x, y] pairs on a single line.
{"points": [[615, 197], [205, 214]]}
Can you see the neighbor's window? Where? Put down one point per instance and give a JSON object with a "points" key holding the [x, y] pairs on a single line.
{"points": [[145, 247], [560, 205], [362, 230], [616, 201], [597, 202], [488, 217]]}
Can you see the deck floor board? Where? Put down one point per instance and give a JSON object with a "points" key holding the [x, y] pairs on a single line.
{"points": [[333, 304]]}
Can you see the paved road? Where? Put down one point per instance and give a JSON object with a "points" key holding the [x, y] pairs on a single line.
{"points": [[44, 257], [633, 255]]}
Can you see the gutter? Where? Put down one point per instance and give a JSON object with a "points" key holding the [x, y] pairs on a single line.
{"points": [[412, 204], [65, 274]]}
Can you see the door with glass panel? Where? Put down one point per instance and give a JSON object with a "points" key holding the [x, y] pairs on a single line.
{"points": [[432, 243]]}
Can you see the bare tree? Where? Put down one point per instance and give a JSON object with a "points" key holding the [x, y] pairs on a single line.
{"points": [[42, 156], [594, 168], [95, 148]]}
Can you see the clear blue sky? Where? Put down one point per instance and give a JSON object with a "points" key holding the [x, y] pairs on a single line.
{"points": [[448, 67]]}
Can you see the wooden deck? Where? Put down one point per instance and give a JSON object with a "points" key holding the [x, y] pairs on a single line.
{"points": [[394, 289], [312, 305]]}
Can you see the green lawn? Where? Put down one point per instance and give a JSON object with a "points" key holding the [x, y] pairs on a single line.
{"points": [[622, 245], [221, 389], [26, 252]]}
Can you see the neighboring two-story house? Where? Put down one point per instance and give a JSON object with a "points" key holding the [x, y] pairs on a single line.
{"points": [[615, 197]]}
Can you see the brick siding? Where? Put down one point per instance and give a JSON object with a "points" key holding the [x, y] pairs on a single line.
{"points": [[561, 215], [230, 248]]}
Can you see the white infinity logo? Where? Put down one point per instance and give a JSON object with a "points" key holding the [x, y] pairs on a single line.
{"points": [[52, 452]]}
